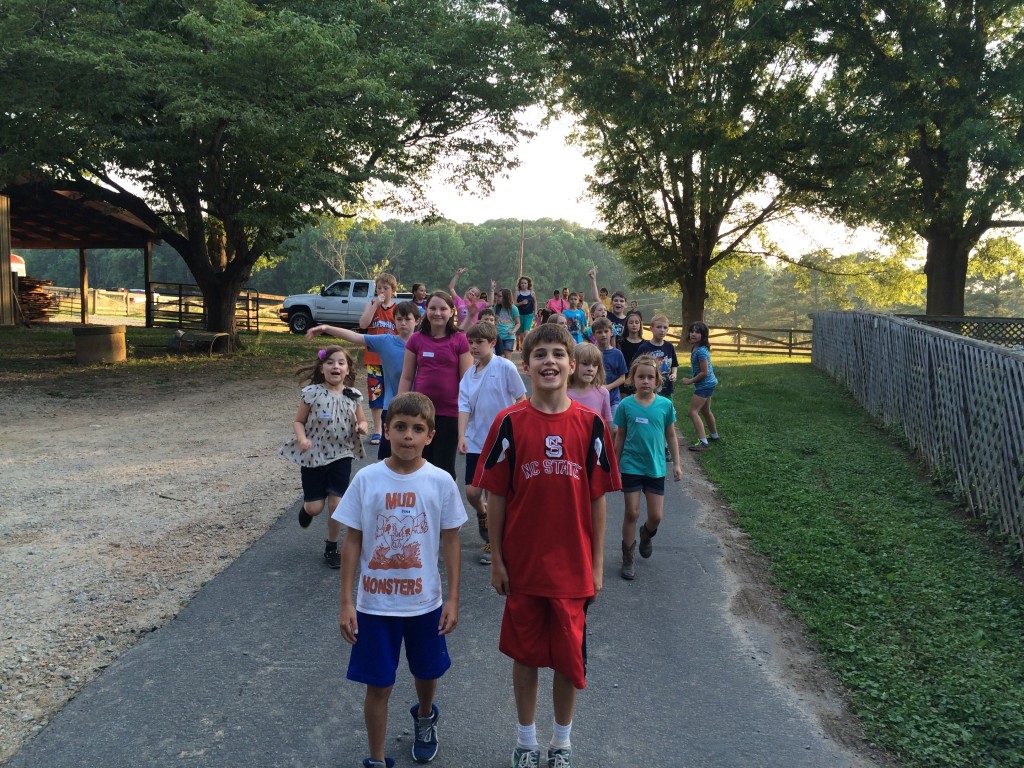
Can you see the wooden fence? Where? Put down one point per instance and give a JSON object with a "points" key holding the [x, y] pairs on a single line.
{"points": [[175, 305], [959, 401], [762, 341]]}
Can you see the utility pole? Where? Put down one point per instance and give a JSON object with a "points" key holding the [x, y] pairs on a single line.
{"points": [[522, 246]]}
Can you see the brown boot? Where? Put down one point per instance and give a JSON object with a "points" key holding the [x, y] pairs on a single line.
{"points": [[628, 558]]}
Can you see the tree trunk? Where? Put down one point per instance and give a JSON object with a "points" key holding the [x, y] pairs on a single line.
{"points": [[946, 271], [219, 296], [695, 293]]}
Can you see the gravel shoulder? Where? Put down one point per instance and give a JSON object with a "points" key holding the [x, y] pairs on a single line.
{"points": [[118, 503]]}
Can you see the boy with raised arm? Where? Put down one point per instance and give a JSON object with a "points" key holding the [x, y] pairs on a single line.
{"points": [[617, 313], [546, 464]]}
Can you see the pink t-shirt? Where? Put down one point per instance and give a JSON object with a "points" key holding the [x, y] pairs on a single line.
{"points": [[557, 305], [462, 308], [437, 369], [596, 399]]}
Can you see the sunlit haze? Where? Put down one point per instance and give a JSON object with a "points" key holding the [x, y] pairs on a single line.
{"points": [[551, 183]]}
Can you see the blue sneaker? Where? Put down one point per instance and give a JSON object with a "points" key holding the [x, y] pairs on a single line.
{"points": [[560, 758], [526, 757], [387, 762], [424, 747]]}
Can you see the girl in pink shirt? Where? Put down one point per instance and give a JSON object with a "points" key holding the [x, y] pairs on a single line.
{"points": [[436, 357], [585, 385]]}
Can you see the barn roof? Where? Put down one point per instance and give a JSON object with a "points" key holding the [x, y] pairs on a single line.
{"points": [[42, 217]]}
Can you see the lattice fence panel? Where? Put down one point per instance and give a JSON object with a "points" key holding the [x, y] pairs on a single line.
{"points": [[1004, 331], [958, 401]]}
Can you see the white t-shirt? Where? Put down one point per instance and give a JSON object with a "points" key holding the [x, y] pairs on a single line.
{"points": [[484, 394], [401, 517]]}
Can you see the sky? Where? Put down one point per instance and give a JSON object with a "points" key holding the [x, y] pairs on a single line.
{"points": [[550, 183]]}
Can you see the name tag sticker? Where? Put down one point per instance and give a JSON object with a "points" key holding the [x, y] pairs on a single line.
{"points": [[641, 420], [325, 415], [428, 354]]}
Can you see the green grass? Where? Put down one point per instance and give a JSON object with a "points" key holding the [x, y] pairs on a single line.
{"points": [[914, 612], [50, 351]]}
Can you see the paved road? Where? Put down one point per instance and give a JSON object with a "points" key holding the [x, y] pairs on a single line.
{"points": [[251, 673]]}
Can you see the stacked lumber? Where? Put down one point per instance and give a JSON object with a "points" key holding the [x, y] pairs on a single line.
{"points": [[36, 302]]}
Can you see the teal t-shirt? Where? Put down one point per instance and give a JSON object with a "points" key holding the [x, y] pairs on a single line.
{"points": [[644, 450]]}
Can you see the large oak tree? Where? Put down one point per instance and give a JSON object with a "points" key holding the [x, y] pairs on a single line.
{"points": [[226, 125], [923, 123]]}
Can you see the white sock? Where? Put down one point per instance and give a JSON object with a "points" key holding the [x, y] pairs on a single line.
{"points": [[526, 735], [714, 435], [704, 440], [560, 735]]}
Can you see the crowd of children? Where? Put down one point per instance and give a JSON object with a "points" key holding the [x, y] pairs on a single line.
{"points": [[440, 383]]}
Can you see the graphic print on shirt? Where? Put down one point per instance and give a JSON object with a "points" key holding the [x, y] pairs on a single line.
{"points": [[553, 463], [395, 532], [553, 447]]}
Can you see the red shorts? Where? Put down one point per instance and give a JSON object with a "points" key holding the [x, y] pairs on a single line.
{"points": [[547, 632]]}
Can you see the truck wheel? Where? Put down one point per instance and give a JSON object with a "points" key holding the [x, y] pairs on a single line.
{"points": [[300, 321]]}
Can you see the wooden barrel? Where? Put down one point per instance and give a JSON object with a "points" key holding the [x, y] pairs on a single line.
{"points": [[99, 344]]}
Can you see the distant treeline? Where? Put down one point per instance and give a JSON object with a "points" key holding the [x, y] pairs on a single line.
{"points": [[558, 254]]}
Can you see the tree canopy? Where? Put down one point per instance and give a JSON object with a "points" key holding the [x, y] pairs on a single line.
{"points": [[227, 125], [921, 123], [686, 108]]}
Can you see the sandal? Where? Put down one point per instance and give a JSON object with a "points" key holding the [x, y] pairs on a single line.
{"points": [[375, 439]]}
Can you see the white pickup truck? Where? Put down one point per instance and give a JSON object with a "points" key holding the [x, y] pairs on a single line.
{"points": [[340, 303]]}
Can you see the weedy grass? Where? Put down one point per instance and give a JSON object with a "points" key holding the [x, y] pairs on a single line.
{"points": [[48, 351], [915, 612]]}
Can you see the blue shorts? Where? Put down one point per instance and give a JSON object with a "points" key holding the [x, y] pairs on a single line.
{"points": [[637, 483], [378, 649], [471, 462], [705, 392], [504, 345], [329, 480], [525, 323]]}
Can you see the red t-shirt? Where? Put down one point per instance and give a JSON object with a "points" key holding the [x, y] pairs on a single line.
{"points": [[549, 468]]}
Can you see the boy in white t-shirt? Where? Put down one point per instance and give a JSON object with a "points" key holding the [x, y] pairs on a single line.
{"points": [[486, 389], [400, 514]]}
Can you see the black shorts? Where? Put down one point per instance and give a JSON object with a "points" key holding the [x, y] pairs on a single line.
{"points": [[637, 483], [329, 480], [471, 462]]}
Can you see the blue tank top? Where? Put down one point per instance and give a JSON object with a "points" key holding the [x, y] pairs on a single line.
{"points": [[529, 307]]}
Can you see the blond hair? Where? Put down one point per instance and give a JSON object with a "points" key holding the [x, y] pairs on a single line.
{"points": [[587, 354], [644, 360]]}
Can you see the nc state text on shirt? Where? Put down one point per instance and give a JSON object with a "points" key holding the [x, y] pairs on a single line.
{"points": [[552, 467]]}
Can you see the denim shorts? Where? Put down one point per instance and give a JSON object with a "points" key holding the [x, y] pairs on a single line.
{"points": [[705, 392]]}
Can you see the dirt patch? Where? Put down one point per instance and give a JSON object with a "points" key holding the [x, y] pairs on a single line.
{"points": [[119, 501]]}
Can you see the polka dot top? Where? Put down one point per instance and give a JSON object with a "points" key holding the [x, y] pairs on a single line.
{"points": [[331, 426]]}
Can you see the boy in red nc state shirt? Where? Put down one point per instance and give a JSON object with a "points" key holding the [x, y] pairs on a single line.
{"points": [[547, 466]]}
